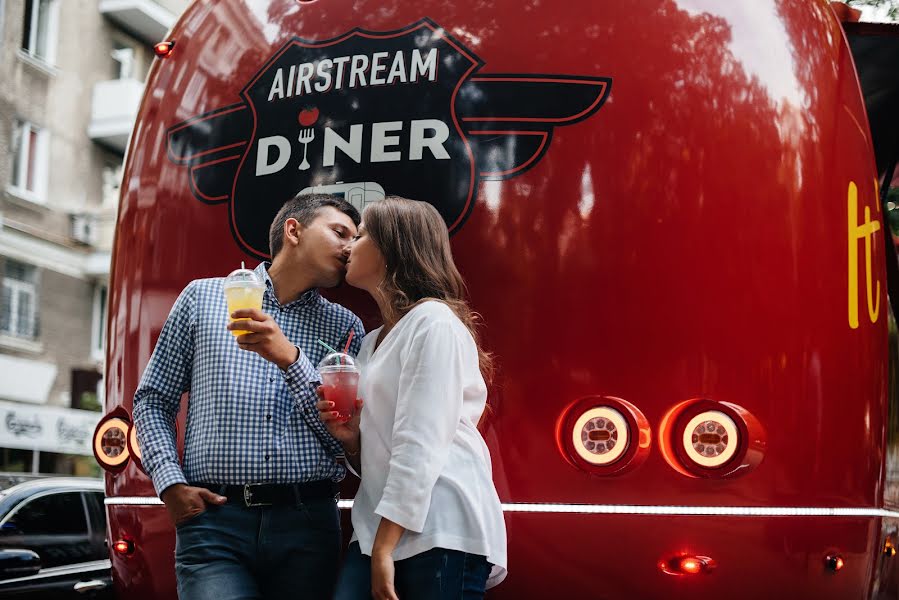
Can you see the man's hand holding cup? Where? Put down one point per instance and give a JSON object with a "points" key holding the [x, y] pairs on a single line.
{"points": [[263, 336]]}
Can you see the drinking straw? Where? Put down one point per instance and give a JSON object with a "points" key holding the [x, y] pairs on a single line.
{"points": [[241, 265], [346, 348], [326, 346]]}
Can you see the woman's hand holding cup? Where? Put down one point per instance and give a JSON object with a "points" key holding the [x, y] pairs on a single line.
{"points": [[346, 431]]}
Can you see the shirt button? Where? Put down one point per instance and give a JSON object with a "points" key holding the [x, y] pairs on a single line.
{"points": [[272, 379], [268, 417], [267, 457]]}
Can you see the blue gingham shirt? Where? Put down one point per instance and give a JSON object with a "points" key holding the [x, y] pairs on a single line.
{"points": [[247, 420]]}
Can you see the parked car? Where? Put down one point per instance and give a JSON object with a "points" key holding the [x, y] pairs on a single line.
{"points": [[53, 540]]}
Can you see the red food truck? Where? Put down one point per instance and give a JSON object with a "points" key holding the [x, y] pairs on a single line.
{"points": [[668, 213]]}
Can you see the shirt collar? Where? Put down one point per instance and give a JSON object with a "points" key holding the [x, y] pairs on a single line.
{"points": [[308, 297]]}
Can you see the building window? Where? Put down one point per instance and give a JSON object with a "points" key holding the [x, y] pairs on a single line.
{"points": [[39, 37], [98, 331], [86, 390], [112, 183], [18, 303], [29, 151]]}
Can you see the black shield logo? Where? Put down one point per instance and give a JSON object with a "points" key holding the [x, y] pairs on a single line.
{"points": [[368, 114], [370, 111]]}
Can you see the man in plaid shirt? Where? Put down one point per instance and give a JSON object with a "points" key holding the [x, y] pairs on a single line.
{"points": [[254, 502]]}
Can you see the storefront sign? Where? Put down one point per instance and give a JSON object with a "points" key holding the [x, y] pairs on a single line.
{"points": [[48, 429]]}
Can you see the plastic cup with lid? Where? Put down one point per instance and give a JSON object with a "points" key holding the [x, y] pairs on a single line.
{"points": [[340, 383], [243, 289]]}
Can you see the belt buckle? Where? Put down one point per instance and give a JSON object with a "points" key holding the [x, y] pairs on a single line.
{"points": [[248, 496]]}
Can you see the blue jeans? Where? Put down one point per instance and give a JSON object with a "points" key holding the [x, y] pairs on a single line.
{"points": [[231, 552], [437, 574]]}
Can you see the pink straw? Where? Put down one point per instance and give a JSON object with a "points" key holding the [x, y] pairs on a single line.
{"points": [[346, 348]]}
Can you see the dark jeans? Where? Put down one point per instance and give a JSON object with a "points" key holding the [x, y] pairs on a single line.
{"points": [[437, 574], [232, 552]]}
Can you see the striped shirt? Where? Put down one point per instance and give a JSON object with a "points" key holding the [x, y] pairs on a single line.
{"points": [[247, 420]]}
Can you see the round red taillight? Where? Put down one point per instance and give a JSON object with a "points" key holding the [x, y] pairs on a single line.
{"points": [[603, 435], [711, 438], [600, 435], [133, 446], [111, 443]]}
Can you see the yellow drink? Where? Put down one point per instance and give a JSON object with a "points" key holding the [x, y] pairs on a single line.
{"points": [[239, 297]]}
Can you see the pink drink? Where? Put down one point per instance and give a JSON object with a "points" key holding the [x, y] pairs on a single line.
{"points": [[340, 387]]}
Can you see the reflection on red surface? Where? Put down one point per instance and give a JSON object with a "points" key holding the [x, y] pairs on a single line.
{"points": [[692, 239]]}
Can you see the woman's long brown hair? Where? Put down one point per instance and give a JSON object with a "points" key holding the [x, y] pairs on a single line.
{"points": [[414, 241]]}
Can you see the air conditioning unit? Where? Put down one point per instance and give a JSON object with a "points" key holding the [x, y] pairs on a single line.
{"points": [[84, 228]]}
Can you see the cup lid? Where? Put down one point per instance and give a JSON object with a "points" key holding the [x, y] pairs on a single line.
{"points": [[242, 277], [337, 361]]}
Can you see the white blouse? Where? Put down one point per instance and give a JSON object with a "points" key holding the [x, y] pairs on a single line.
{"points": [[425, 465]]}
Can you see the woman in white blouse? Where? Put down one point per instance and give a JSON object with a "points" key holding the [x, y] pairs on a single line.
{"points": [[427, 520]]}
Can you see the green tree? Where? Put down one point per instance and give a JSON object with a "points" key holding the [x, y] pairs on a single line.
{"points": [[89, 401], [891, 6], [893, 209]]}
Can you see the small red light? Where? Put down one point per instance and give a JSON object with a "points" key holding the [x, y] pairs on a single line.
{"points": [[690, 565], [163, 49], [834, 562], [125, 547], [687, 565]]}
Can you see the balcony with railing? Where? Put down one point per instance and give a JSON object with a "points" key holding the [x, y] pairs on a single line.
{"points": [[147, 19], [113, 111]]}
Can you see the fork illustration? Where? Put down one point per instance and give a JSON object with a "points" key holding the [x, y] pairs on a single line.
{"points": [[306, 136]]}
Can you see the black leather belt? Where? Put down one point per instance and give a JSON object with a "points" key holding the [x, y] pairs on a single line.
{"points": [[273, 494]]}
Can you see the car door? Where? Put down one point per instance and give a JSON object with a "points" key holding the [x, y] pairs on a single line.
{"points": [[96, 511], [52, 524], [70, 540]]}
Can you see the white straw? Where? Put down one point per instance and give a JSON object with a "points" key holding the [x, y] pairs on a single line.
{"points": [[241, 265]]}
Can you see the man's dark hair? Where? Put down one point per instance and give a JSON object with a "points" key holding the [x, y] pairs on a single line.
{"points": [[304, 208]]}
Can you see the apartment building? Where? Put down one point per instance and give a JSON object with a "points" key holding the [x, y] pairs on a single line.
{"points": [[71, 79]]}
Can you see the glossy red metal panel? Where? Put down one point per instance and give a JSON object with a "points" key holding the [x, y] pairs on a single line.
{"points": [[777, 555], [691, 239], [148, 573]]}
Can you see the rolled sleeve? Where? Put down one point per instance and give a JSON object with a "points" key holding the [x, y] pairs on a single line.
{"points": [[429, 406]]}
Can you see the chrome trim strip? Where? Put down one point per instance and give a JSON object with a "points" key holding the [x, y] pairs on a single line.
{"points": [[632, 509], [734, 511], [91, 566], [133, 501]]}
